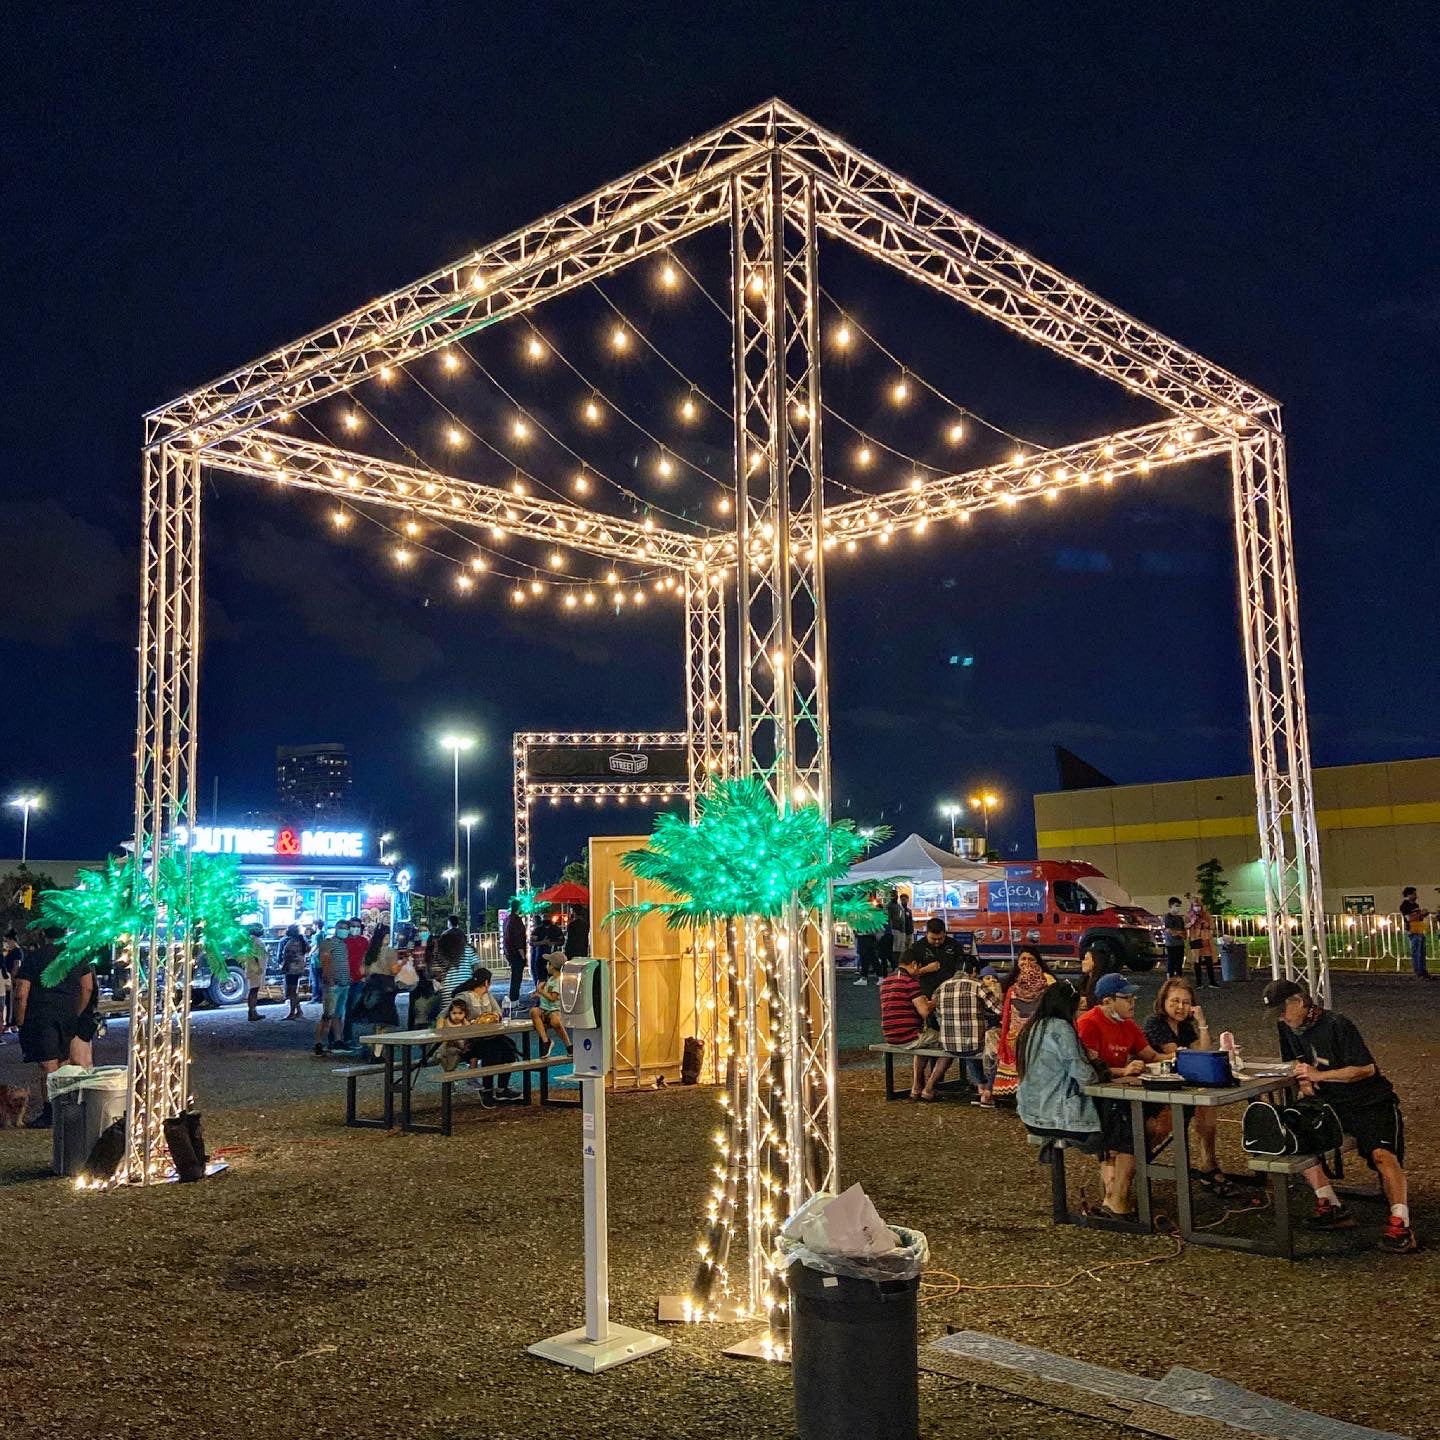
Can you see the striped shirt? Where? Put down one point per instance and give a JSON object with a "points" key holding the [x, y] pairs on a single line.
{"points": [[899, 1020]]}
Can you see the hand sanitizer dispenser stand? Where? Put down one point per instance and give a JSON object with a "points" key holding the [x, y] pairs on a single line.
{"points": [[585, 1005]]}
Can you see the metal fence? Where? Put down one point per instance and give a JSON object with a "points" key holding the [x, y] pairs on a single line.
{"points": [[1352, 942]]}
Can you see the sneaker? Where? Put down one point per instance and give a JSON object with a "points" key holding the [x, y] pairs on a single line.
{"points": [[505, 1095], [1398, 1238], [1330, 1215], [862, 981], [319, 1052]]}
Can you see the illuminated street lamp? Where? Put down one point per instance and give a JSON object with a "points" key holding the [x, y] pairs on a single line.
{"points": [[25, 804], [985, 802], [487, 883], [455, 744], [951, 809], [469, 822]]}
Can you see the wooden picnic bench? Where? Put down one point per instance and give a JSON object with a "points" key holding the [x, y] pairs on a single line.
{"points": [[448, 1079], [929, 1052]]}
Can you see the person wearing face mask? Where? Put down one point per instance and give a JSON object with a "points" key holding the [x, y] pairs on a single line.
{"points": [[1174, 938], [1333, 1062], [1114, 1041], [1027, 981]]}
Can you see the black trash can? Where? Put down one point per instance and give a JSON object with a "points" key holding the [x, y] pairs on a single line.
{"points": [[854, 1356], [1234, 960]]}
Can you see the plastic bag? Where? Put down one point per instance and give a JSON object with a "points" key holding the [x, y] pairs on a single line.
{"points": [[843, 1235]]}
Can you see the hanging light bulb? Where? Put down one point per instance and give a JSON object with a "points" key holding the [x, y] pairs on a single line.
{"points": [[535, 586], [588, 597], [463, 582], [570, 601], [592, 409], [723, 504], [611, 578], [352, 420], [517, 486], [664, 467], [454, 436], [479, 563], [864, 455], [386, 374], [519, 429], [639, 597], [402, 555], [1018, 458], [412, 529], [340, 519], [900, 390], [581, 484], [956, 433], [843, 335], [535, 348], [669, 275], [449, 359], [619, 338], [517, 595], [557, 560], [688, 407]]}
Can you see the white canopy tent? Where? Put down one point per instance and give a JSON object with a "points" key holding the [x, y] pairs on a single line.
{"points": [[915, 859]]}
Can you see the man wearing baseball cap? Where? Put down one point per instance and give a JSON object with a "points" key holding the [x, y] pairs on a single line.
{"points": [[1332, 1061], [1109, 1033]]}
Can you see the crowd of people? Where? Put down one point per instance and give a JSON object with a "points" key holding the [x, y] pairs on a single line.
{"points": [[1035, 1038]]}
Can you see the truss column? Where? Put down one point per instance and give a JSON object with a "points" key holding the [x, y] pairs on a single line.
{"points": [[1284, 784], [706, 707], [165, 753], [782, 682], [520, 750]]}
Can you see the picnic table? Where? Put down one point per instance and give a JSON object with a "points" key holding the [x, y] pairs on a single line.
{"points": [[413, 1050], [1181, 1099]]}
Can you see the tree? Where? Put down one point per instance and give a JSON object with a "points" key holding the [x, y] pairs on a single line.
{"points": [[20, 899], [1212, 886], [577, 871]]}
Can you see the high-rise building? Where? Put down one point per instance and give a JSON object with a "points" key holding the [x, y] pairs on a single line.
{"points": [[312, 779]]}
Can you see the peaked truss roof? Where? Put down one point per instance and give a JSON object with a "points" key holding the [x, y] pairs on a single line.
{"points": [[857, 200]]}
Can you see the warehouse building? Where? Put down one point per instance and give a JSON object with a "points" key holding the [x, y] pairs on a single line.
{"points": [[1379, 830]]}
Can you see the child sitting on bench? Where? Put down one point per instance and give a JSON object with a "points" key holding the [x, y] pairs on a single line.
{"points": [[546, 1010]]}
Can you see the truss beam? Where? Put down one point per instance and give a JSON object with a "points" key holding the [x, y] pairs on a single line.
{"points": [[643, 212], [363, 480], [1102, 461]]}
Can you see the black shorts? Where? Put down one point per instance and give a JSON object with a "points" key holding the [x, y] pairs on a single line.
{"points": [[1374, 1127], [1115, 1126], [46, 1037], [292, 986]]}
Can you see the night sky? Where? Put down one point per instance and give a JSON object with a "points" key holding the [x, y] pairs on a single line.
{"points": [[188, 189]]}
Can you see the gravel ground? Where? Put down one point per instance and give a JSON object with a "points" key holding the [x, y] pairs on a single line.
{"points": [[349, 1283]]}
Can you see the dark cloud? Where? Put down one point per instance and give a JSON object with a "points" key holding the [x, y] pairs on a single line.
{"points": [[66, 578], [328, 597]]}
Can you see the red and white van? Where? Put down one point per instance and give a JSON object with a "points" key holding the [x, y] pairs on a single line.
{"points": [[1064, 906]]}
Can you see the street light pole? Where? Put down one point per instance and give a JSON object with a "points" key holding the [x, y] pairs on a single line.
{"points": [[455, 744], [952, 810], [25, 804], [468, 821], [985, 803]]}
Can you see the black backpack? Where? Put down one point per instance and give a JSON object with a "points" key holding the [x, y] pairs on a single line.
{"points": [[1301, 1127]]}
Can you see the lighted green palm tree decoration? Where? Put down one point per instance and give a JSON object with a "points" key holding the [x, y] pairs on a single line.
{"points": [[746, 859], [116, 903], [528, 902]]}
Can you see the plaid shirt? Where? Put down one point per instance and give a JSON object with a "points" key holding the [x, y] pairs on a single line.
{"points": [[962, 1014]]}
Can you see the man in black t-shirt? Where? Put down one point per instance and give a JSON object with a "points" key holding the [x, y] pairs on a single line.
{"points": [[48, 1014], [1333, 1062]]}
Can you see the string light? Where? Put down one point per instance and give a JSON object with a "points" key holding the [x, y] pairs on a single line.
{"points": [[479, 562], [450, 359], [900, 391], [352, 420], [955, 433], [592, 409], [455, 437], [570, 601], [517, 595], [864, 454], [619, 338], [688, 407], [581, 484], [723, 504], [386, 374], [557, 560], [535, 347], [843, 335], [536, 587], [464, 582], [341, 519], [664, 468], [402, 555], [519, 429], [669, 275], [412, 528]]}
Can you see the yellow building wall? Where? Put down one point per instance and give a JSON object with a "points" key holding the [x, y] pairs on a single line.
{"points": [[1379, 828]]}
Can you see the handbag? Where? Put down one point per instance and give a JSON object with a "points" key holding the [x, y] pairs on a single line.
{"points": [[407, 975], [1305, 1126]]}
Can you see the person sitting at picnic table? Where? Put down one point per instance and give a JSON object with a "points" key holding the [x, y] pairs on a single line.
{"points": [[1334, 1063], [452, 1052], [546, 1010], [963, 1013], [937, 958], [1093, 969], [1027, 981], [1054, 1071], [1114, 1041], [903, 1013], [1179, 1024], [484, 1009]]}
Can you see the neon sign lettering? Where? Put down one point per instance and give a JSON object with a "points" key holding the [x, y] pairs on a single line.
{"points": [[285, 841]]}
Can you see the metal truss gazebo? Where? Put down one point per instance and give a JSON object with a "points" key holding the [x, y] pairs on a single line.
{"points": [[778, 182]]}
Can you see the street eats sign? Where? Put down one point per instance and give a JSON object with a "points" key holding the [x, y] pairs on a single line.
{"points": [[285, 842]]}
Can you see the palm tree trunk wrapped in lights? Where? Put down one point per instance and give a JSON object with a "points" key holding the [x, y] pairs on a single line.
{"points": [[755, 871]]}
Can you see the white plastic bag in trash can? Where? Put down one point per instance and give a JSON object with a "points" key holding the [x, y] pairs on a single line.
{"points": [[844, 1235], [84, 1103], [79, 1077]]}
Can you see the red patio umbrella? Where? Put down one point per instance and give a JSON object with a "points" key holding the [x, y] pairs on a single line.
{"points": [[567, 892]]}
